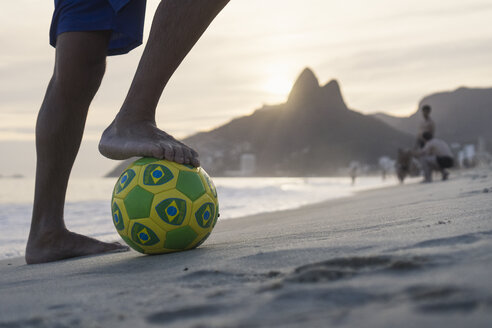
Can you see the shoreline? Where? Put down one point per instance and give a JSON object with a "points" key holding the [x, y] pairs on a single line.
{"points": [[238, 199], [417, 255], [327, 202]]}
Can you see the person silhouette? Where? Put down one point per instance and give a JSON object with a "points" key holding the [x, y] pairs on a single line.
{"points": [[426, 125]]}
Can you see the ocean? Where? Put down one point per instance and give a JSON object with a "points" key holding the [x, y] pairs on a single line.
{"points": [[88, 211]]}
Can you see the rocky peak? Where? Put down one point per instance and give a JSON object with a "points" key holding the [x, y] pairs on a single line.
{"points": [[332, 95], [306, 85]]}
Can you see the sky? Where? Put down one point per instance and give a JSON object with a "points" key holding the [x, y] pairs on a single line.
{"points": [[385, 54]]}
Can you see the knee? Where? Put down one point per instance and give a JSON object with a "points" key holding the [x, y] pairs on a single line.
{"points": [[81, 78], [94, 72]]}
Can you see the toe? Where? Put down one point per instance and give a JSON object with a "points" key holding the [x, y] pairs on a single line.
{"points": [[178, 154], [194, 158], [117, 246], [195, 162], [121, 248], [168, 152], [157, 152], [190, 155], [187, 155], [195, 154]]}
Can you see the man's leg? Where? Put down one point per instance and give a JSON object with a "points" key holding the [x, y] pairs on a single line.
{"points": [[444, 163], [444, 174], [429, 164], [79, 68], [177, 26]]}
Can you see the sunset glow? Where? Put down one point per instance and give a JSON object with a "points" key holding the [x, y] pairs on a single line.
{"points": [[277, 86]]}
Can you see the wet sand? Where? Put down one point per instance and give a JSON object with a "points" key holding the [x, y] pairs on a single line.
{"points": [[407, 256]]}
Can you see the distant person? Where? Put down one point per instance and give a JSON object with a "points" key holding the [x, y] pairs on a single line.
{"points": [[435, 156], [427, 125], [406, 164], [84, 33], [353, 170], [385, 164], [383, 173]]}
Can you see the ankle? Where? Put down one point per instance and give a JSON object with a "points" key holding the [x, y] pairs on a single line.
{"points": [[44, 236], [123, 119], [137, 110]]}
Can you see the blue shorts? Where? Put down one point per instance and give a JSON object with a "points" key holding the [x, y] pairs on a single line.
{"points": [[125, 18]]}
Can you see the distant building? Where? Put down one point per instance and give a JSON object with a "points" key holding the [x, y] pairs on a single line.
{"points": [[386, 165], [247, 164], [469, 156]]}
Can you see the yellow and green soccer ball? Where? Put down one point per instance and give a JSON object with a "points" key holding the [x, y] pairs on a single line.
{"points": [[160, 206]]}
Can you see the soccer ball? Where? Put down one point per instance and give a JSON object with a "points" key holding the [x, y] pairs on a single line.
{"points": [[160, 206]]}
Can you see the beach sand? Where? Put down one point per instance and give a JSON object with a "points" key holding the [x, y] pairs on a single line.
{"points": [[407, 256]]}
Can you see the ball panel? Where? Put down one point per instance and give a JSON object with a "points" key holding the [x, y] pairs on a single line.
{"points": [[180, 238], [190, 184], [146, 234], [120, 217], [184, 167], [208, 182], [138, 203], [132, 244], [158, 176], [216, 215], [127, 181], [143, 235], [162, 212], [199, 240], [161, 251], [203, 214], [144, 161], [172, 210]]}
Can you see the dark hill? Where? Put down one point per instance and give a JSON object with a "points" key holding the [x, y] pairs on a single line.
{"points": [[462, 115], [313, 133]]}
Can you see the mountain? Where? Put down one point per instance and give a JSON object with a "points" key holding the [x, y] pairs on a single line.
{"points": [[312, 133], [462, 115]]}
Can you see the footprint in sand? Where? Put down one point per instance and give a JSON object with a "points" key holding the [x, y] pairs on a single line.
{"points": [[186, 313], [452, 299]]}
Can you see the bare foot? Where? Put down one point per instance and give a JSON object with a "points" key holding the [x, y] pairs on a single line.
{"points": [[65, 244], [143, 138]]}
